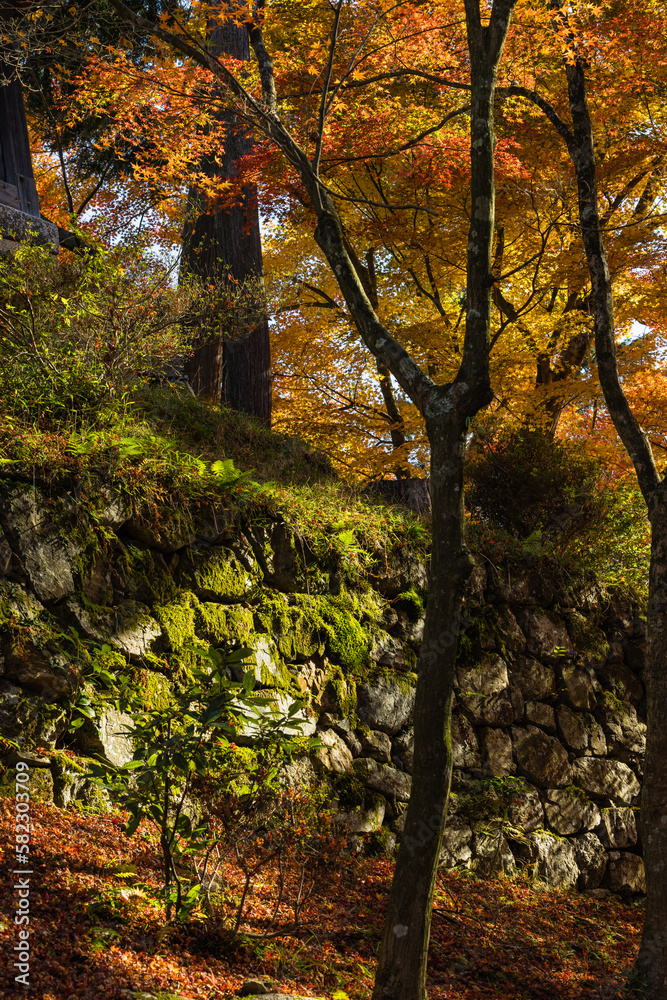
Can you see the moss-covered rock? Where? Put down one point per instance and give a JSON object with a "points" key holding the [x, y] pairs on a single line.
{"points": [[591, 646], [145, 575], [215, 574]]}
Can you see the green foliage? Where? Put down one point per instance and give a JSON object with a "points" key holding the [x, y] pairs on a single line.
{"points": [[192, 737], [492, 797], [528, 482], [76, 331], [532, 498]]}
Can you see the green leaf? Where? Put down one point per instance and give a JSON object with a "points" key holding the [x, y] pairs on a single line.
{"points": [[238, 655], [248, 681], [132, 824]]}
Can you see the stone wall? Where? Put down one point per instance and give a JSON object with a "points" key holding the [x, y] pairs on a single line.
{"points": [[548, 732]]}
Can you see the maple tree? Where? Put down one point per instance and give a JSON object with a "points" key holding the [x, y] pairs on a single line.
{"points": [[325, 380], [578, 32], [447, 410], [379, 238]]}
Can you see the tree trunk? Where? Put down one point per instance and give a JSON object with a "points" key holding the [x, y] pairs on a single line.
{"points": [[651, 966], [224, 244], [401, 973], [402, 960], [447, 409]]}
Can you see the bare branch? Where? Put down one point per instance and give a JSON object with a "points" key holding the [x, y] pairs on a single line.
{"points": [[325, 88]]}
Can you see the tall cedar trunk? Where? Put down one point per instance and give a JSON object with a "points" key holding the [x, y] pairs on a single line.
{"points": [[218, 244], [651, 966]]}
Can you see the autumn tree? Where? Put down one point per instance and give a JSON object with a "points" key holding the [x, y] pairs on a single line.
{"points": [[579, 34], [446, 410]]}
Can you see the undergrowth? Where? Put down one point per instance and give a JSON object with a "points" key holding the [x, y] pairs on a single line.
{"points": [[99, 932], [162, 449]]}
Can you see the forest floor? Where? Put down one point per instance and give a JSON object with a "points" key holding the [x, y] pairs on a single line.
{"points": [[98, 931]]}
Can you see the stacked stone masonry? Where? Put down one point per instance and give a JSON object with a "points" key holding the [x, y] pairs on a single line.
{"points": [[548, 729]]}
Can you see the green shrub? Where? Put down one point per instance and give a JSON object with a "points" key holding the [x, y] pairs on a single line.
{"points": [[527, 481], [77, 331], [531, 497]]}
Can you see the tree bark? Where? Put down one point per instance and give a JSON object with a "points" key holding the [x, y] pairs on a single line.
{"points": [[447, 410], [227, 244], [402, 960], [651, 965]]}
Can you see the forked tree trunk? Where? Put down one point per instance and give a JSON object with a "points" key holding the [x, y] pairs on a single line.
{"points": [[447, 409], [224, 244], [402, 960]]}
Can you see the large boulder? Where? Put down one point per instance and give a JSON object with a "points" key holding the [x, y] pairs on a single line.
{"points": [[541, 758], [624, 683], [130, 626], [597, 741], [535, 680], [116, 745], [625, 874], [164, 534], [484, 691], [547, 637], [215, 574], [465, 745], [539, 714], [334, 755], [389, 652], [496, 747], [385, 703], [455, 849], [605, 779], [507, 631], [374, 744], [625, 733], [591, 859], [617, 827], [31, 719], [492, 855], [572, 729], [526, 811], [50, 676], [34, 531], [553, 860], [485, 677], [401, 571], [384, 779], [579, 688], [568, 811]]}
